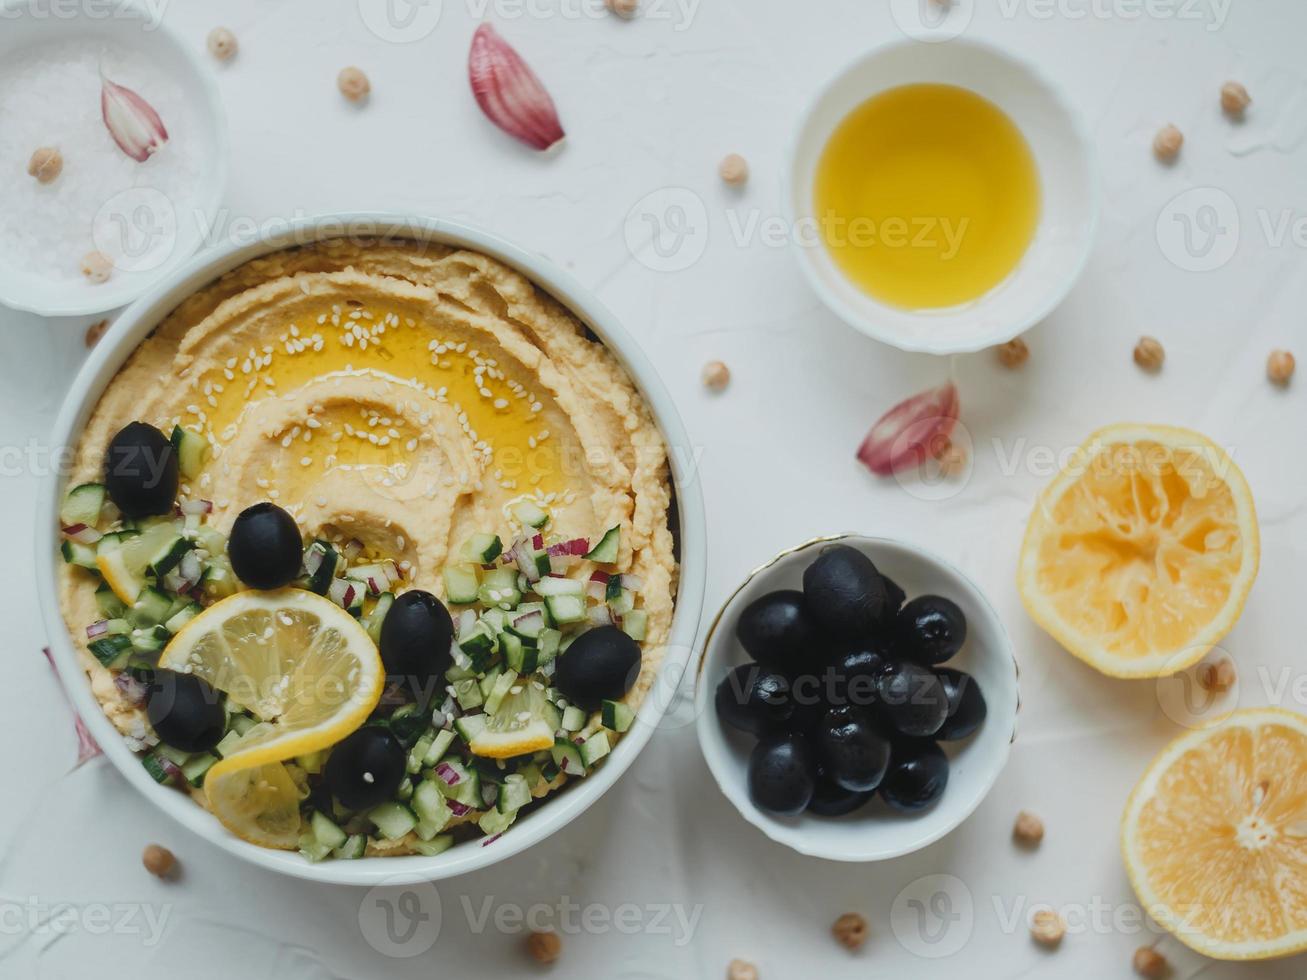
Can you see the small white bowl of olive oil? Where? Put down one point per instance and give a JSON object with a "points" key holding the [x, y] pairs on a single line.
{"points": [[944, 196]]}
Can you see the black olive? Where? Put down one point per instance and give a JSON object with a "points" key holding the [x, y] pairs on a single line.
{"points": [[912, 699], [853, 752], [265, 547], [601, 664], [894, 598], [185, 711], [917, 776], [856, 670], [140, 471], [844, 594], [966, 705], [365, 768], [754, 700], [415, 643], [830, 799], [775, 630], [782, 774], [931, 629]]}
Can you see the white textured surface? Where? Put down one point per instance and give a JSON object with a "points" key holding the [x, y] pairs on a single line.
{"points": [[649, 107]]}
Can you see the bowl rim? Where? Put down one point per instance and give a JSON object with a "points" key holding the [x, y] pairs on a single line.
{"points": [[214, 189], [147, 312], [706, 718], [874, 329]]}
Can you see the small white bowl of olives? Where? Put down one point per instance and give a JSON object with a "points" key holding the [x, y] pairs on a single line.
{"points": [[856, 698]]}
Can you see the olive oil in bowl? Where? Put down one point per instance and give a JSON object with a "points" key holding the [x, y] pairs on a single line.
{"points": [[927, 196]]}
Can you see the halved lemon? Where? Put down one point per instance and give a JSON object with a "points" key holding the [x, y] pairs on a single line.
{"points": [[518, 726], [1215, 837], [1139, 556], [301, 665]]}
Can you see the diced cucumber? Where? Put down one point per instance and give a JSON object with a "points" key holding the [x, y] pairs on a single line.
{"points": [[326, 832], [443, 740], [114, 540], [566, 608], [76, 553], [553, 585], [531, 773], [567, 756], [192, 451], [623, 603], [595, 748], [195, 767], [517, 655], [461, 584], [241, 724], [468, 694], [159, 771], [470, 726], [112, 650], [407, 724], [528, 626], [499, 588], [355, 847], [608, 548], [437, 845], [405, 789], [431, 808], [514, 793], [493, 822], [392, 820], [413, 764], [178, 757], [531, 514], [480, 643], [487, 683], [229, 743], [547, 646], [616, 716], [378, 616], [110, 606], [635, 624], [467, 790], [573, 718], [483, 548], [218, 580], [500, 691], [327, 558], [312, 849], [149, 640], [150, 608], [177, 620], [169, 553], [82, 505], [354, 606]]}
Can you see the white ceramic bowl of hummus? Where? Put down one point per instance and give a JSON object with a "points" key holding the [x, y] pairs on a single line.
{"points": [[687, 527], [873, 832]]}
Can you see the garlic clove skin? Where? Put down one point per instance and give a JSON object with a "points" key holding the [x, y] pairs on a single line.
{"points": [[131, 121], [509, 93]]}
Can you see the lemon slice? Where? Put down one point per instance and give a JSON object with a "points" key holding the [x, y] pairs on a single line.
{"points": [[301, 665], [518, 726], [124, 568], [1140, 554], [1215, 837]]}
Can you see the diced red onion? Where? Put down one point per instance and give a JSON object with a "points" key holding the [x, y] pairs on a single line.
{"points": [[353, 548], [458, 809], [596, 590], [601, 616], [575, 547], [196, 506], [192, 568], [531, 619], [131, 688], [491, 839], [341, 592], [489, 793], [313, 559], [538, 542], [391, 571], [448, 774], [98, 628], [632, 582], [82, 533]]}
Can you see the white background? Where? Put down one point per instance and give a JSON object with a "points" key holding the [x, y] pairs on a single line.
{"points": [[652, 104]]}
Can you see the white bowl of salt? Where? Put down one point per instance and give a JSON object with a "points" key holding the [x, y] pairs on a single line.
{"points": [[113, 153]]}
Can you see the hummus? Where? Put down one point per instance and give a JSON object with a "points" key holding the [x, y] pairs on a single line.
{"points": [[403, 395]]}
